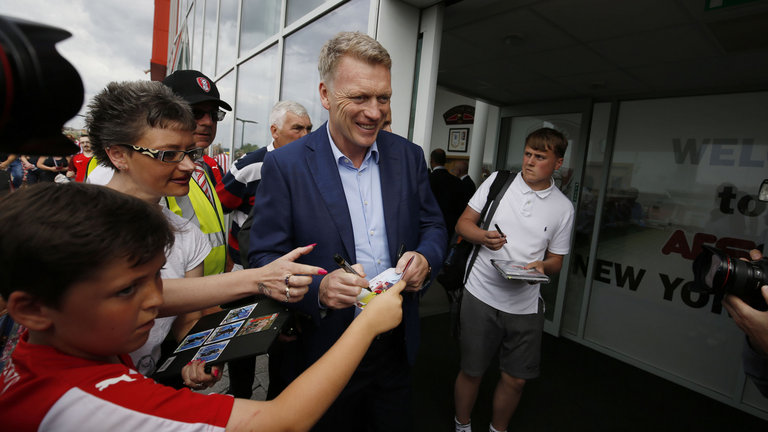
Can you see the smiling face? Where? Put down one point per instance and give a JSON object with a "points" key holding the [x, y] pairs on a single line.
{"points": [[110, 313], [538, 167], [150, 179], [358, 103]]}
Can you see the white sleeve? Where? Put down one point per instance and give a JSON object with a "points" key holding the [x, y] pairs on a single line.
{"points": [[561, 241], [196, 246], [477, 202]]}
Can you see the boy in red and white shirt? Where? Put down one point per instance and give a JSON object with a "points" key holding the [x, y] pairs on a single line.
{"points": [[94, 297]]}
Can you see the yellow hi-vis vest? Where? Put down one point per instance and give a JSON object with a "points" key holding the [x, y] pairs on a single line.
{"points": [[92, 164], [197, 208]]}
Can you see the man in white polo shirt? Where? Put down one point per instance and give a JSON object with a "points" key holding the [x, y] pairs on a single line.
{"points": [[507, 316]]}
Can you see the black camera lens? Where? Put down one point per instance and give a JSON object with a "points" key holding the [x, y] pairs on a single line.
{"points": [[720, 274]]}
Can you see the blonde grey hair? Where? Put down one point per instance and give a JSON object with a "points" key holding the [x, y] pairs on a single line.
{"points": [[277, 116], [357, 45]]}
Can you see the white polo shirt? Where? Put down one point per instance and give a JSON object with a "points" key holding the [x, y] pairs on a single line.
{"points": [[534, 222]]}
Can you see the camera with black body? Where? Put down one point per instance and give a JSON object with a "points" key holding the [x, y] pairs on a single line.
{"points": [[716, 272], [39, 89]]}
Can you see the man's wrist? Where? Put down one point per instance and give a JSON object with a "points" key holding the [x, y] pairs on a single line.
{"points": [[428, 277]]}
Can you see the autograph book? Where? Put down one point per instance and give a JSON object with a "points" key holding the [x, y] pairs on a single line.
{"points": [[227, 335], [517, 270]]}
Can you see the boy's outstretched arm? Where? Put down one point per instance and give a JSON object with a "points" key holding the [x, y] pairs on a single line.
{"points": [[303, 402]]}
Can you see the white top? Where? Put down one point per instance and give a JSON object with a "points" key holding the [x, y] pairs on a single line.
{"points": [[534, 222], [101, 175], [189, 249]]}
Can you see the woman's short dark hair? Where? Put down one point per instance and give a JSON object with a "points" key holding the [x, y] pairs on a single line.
{"points": [[122, 112], [53, 235]]}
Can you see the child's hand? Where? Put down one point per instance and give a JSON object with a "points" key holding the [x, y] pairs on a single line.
{"points": [[385, 311], [194, 375]]}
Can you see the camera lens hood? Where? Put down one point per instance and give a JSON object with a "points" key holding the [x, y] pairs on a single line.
{"points": [[41, 89]]}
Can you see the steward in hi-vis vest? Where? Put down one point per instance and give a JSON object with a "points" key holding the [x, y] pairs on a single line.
{"points": [[202, 206]]}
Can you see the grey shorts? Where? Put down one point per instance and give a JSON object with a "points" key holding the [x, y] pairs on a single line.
{"points": [[486, 330]]}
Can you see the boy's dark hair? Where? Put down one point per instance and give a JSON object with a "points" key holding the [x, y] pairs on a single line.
{"points": [[53, 235], [122, 112], [547, 139]]}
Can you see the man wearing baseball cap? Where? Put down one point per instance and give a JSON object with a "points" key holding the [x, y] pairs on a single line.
{"points": [[201, 205]]}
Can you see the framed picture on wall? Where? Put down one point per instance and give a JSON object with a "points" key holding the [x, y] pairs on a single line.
{"points": [[457, 139]]}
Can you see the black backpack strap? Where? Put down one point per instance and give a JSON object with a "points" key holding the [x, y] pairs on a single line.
{"points": [[498, 188]]}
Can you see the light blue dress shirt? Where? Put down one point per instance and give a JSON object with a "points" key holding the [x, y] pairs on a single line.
{"points": [[362, 188]]}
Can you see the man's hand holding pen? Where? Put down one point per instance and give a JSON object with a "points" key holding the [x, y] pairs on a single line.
{"points": [[339, 289], [494, 240], [416, 273]]}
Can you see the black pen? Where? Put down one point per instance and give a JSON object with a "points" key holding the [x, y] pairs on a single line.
{"points": [[344, 265], [400, 251], [499, 230]]}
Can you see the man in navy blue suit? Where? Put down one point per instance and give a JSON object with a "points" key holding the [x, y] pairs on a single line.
{"points": [[364, 194]]}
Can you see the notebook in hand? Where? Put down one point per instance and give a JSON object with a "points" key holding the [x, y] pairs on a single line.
{"points": [[516, 270]]}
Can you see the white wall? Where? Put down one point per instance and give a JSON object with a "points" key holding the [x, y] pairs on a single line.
{"points": [[445, 100], [398, 31]]}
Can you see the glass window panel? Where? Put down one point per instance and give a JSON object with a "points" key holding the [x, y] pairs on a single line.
{"points": [[227, 35], [299, 8], [209, 43], [685, 172], [184, 8], [585, 217], [196, 24], [260, 20], [182, 55], [300, 77], [255, 98], [226, 88]]}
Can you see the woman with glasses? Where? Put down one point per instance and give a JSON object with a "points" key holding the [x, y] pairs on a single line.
{"points": [[144, 133]]}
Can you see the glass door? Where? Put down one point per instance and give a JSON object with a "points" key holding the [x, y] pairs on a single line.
{"points": [[572, 119]]}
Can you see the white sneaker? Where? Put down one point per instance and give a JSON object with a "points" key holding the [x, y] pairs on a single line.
{"points": [[462, 427]]}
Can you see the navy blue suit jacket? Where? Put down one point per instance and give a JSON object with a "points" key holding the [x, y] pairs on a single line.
{"points": [[301, 201]]}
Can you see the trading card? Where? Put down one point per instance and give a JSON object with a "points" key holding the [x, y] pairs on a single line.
{"points": [[382, 282], [224, 332], [167, 363], [193, 340], [258, 324], [210, 352], [238, 314]]}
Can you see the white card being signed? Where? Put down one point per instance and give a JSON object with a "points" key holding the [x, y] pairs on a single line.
{"points": [[382, 282]]}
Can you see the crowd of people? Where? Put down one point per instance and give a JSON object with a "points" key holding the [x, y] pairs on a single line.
{"points": [[95, 296], [20, 170]]}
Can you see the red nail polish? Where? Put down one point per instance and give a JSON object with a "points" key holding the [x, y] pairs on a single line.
{"points": [[216, 373], [322, 272], [312, 245]]}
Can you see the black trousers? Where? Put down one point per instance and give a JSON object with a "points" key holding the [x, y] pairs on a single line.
{"points": [[378, 396]]}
